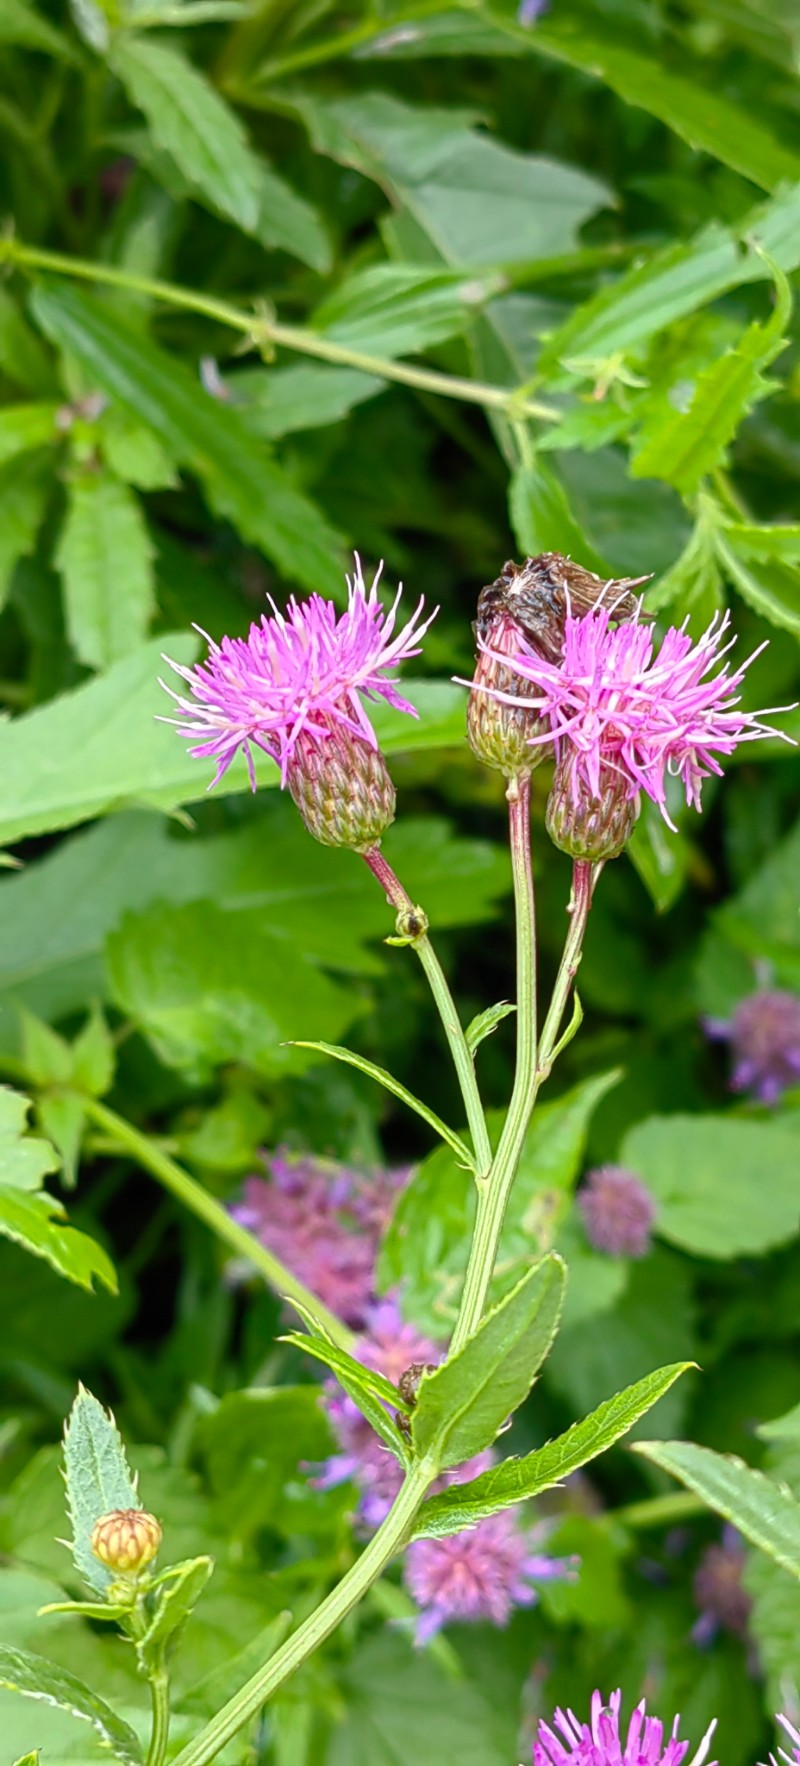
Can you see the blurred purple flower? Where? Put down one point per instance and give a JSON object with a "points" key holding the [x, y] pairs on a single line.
{"points": [[618, 710], [764, 1034], [723, 1603], [599, 1743], [325, 1223], [530, 10], [618, 1212], [792, 1759], [389, 1346], [297, 674], [482, 1573]]}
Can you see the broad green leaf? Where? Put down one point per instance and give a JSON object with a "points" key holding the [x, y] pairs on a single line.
{"points": [[515, 1480], [209, 987], [661, 858], [305, 395], [692, 442], [24, 485], [705, 118], [393, 1085], [285, 221], [98, 1481], [765, 1512], [767, 543], [485, 1022], [191, 122], [707, 1176], [175, 1597], [400, 1708], [252, 1445], [41, 789], [56, 913], [397, 309], [24, 1158], [462, 1407], [362, 1385], [541, 516], [23, 427], [105, 557], [209, 438], [425, 1246], [37, 1678], [772, 588], [676, 281], [475, 200]]}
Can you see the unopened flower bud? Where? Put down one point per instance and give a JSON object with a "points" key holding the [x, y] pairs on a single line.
{"points": [[126, 1540], [590, 826], [342, 789], [500, 734]]}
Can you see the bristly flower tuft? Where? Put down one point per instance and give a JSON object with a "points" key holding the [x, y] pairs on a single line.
{"points": [[297, 681], [599, 1742], [764, 1034], [618, 1212], [483, 1572]]}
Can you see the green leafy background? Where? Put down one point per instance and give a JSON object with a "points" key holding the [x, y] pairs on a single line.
{"points": [[587, 231]]}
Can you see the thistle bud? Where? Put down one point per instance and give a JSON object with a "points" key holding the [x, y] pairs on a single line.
{"points": [[590, 826], [126, 1540], [342, 789], [500, 734]]}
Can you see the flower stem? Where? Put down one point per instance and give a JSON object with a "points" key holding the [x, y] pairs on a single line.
{"points": [[346, 1595], [266, 333], [580, 903], [206, 1207], [159, 1734], [445, 1005], [494, 1191]]}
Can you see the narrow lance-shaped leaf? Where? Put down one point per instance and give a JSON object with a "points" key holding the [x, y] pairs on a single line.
{"points": [[485, 1022], [518, 1479], [36, 1678], [766, 1513], [400, 1091], [173, 1600], [365, 1387], [462, 1407]]}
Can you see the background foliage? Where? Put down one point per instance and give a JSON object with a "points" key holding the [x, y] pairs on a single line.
{"points": [[594, 217]]}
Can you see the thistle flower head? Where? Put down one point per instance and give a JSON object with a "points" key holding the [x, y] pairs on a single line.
{"points": [[723, 1602], [599, 1742], [325, 1222], [482, 1573], [499, 731], [793, 1758], [764, 1034], [622, 710], [297, 678], [618, 1212], [126, 1540]]}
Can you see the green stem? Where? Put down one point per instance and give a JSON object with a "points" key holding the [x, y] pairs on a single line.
{"points": [[583, 880], [206, 1208], [493, 1193], [445, 1004], [159, 1734], [391, 1535], [264, 332]]}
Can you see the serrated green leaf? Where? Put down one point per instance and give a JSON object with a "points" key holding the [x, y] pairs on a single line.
{"points": [[93, 1059], [98, 1481], [393, 1085], [105, 557], [694, 584], [772, 589], [24, 1158], [62, 1117], [46, 1057], [362, 1385], [36, 1678], [462, 1406], [485, 1022], [396, 309], [204, 435], [515, 1480], [190, 121], [766, 542], [174, 1598], [765, 1512]]}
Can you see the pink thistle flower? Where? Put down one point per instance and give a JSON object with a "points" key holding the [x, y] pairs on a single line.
{"points": [[294, 687], [792, 1759], [325, 1223], [764, 1034], [600, 1744], [482, 1573], [622, 714], [618, 1212]]}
